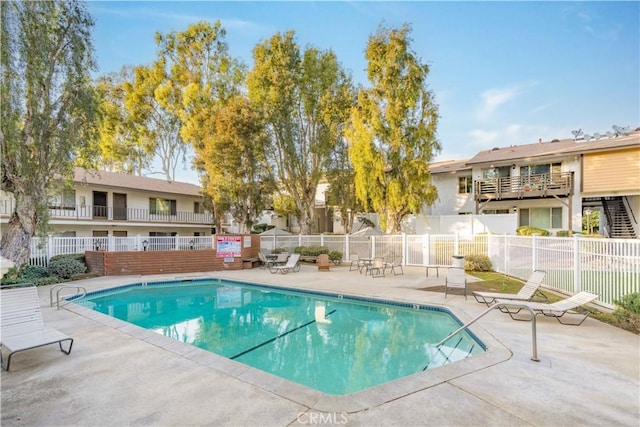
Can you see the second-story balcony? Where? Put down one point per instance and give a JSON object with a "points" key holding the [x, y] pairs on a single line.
{"points": [[524, 187], [107, 213]]}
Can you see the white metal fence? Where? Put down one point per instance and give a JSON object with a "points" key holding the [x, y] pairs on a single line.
{"points": [[607, 267]]}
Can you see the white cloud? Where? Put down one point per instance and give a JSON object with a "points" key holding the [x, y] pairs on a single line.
{"points": [[143, 13], [597, 26], [494, 98], [511, 134]]}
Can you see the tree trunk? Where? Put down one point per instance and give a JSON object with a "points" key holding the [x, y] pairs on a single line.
{"points": [[16, 238], [306, 217], [393, 223]]}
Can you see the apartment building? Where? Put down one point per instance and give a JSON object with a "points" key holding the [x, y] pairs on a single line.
{"points": [[548, 185], [108, 204]]}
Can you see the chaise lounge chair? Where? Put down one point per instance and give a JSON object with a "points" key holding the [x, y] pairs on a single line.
{"points": [[22, 324], [526, 293], [557, 309], [291, 265]]}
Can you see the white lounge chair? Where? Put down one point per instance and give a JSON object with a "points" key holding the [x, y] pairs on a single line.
{"points": [[22, 324], [456, 278], [526, 293], [557, 309], [291, 265]]}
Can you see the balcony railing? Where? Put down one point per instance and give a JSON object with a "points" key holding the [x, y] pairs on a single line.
{"points": [[524, 187], [89, 212]]}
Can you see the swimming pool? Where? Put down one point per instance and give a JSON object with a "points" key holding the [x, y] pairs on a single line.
{"points": [[336, 344]]}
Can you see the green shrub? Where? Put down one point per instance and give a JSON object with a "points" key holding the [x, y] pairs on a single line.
{"points": [[564, 233], [66, 267], [628, 312], [278, 250], [12, 276], [530, 231], [35, 272], [313, 250], [35, 275], [77, 257], [48, 280], [335, 257], [477, 263], [317, 250]]}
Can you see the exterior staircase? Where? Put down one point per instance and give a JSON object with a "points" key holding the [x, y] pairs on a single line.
{"points": [[618, 219]]}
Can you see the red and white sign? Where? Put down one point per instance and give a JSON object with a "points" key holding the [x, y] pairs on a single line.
{"points": [[228, 246]]}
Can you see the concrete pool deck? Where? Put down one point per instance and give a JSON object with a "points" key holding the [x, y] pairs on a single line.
{"points": [[119, 375]]}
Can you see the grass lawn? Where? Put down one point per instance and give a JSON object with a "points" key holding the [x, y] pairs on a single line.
{"points": [[497, 282]]}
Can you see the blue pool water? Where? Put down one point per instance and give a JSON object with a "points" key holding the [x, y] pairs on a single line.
{"points": [[335, 344]]}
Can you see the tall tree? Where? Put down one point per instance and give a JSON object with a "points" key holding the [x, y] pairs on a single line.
{"points": [[150, 102], [199, 68], [393, 130], [232, 155], [197, 65], [122, 148], [305, 99], [48, 108], [341, 193]]}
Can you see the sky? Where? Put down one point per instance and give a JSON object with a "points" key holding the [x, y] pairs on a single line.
{"points": [[503, 73]]}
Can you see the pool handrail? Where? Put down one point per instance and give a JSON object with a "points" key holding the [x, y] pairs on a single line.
{"points": [[81, 291], [534, 345]]}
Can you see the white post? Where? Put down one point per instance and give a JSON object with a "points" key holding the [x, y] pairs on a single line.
{"points": [[373, 246], [426, 250], [405, 250], [50, 249], [507, 242], [577, 276], [347, 247], [456, 244], [534, 252]]}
